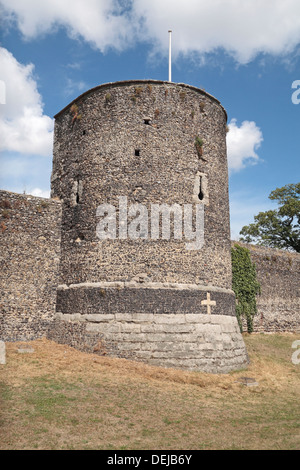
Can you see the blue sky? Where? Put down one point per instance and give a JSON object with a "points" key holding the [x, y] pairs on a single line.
{"points": [[244, 53]]}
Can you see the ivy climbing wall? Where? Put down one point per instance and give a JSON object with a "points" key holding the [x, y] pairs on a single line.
{"points": [[278, 304]]}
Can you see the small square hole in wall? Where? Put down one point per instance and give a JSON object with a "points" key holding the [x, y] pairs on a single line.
{"points": [[83, 132], [137, 152], [147, 122]]}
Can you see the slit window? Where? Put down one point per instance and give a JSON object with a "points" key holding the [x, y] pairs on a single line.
{"points": [[201, 194], [76, 195], [137, 152]]}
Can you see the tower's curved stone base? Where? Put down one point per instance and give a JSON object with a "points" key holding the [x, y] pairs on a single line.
{"points": [[174, 334]]}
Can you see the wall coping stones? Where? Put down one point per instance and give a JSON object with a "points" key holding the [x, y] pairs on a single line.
{"points": [[146, 285]]}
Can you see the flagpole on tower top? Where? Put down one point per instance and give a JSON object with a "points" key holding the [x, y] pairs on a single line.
{"points": [[170, 55]]}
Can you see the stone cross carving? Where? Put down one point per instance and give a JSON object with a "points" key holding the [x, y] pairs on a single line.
{"points": [[209, 303]]}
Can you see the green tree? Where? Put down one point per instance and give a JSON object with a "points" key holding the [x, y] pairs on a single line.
{"points": [[278, 228], [245, 285]]}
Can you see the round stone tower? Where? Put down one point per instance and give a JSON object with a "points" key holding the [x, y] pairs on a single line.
{"points": [[141, 168]]}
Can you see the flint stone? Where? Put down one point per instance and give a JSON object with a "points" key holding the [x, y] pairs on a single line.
{"points": [[2, 353], [25, 350], [248, 381]]}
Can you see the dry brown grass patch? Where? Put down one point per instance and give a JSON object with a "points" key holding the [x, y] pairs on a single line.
{"points": [[60, 398]]}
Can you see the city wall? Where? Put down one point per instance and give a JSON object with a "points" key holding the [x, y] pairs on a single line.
{"points": [[29, 257]]}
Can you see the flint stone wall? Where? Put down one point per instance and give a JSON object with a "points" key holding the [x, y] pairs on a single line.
{"points": [[140, 299], [29, 258], [136, 139], [278, 304]]}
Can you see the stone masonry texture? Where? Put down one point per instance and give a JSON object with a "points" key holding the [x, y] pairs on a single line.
{"points": [[278, 304], [29, 254], [145, 299], [137, 140], [95, 162], [186, 341]]}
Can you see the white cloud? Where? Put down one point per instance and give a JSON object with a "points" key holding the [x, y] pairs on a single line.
{"points": [[2, 92], [39, 192], [242, 28], [100, 22], [242, 144], [24, 127]]}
